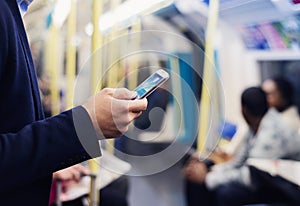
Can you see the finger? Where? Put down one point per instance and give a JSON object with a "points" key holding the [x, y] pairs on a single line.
{"points": [[127, 106], [122, 123], [85, 171], [82, 169], [108, 91], [76, 176], [138, 105], [187, 172], [130, 117], [134, 115], [113, 134], [125, 94]]}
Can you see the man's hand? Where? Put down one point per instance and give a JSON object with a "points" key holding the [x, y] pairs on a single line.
{"points": [[112, 110], [196, 171]]}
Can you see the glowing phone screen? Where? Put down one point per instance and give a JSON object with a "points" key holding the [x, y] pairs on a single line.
{"points": [[148, 85]]}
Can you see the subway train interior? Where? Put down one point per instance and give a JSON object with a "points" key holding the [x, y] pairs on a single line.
{"points": [[197, 143]]}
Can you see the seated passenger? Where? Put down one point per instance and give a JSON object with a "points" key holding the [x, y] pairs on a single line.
{"points": [[231, 183], [280, 95]]}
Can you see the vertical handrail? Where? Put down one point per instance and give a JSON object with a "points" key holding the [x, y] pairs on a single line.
{"points": [[208, 75], [71, 55], [96, 81]]}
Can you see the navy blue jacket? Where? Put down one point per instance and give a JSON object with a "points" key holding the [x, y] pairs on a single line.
{"points": [[31, 148]]}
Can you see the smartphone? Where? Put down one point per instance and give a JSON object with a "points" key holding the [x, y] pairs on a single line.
{"points": [[151, 84]]}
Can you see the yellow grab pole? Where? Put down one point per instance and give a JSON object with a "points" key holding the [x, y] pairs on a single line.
{"points": [[71, 55], [112, 51], [95, 78], [123, 62], [134, 63], [112, 80], [208, 74], [52, 66], [96, 83]]}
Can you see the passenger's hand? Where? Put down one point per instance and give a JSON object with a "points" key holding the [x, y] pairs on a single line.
{"points": [[73, 173], [112, 110], [70, 176], [196, 171]]}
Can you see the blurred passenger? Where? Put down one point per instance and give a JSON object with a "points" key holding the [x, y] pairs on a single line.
{"points": [[231, 183], [280, 95], [114, 194], [69, 177], [44, 86]]}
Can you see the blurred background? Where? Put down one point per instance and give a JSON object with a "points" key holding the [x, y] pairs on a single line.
{"points": [[211, 53]]}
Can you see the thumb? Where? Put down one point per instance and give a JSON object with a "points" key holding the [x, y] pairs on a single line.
{"points": [[124, 94]]}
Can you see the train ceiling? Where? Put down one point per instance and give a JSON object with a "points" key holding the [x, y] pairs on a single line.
{"points": [[235, 12]]}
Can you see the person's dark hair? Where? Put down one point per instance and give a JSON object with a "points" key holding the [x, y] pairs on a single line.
{"points": [[255, 100], [285, 88]]}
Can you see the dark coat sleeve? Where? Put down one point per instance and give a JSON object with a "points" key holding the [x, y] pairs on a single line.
{"points": [[46, 146]]}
